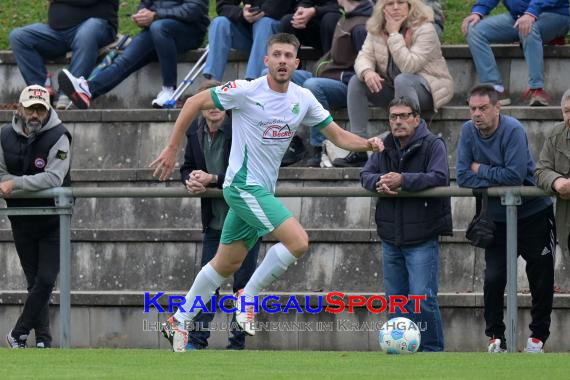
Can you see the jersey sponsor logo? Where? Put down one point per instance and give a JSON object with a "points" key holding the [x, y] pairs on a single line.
{"points": [[228, 86], [62, 155], [39, 163], [275, 133]]}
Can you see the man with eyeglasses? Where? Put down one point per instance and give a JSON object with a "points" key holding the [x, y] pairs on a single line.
{"points": [[34, 155], [413, 159]]}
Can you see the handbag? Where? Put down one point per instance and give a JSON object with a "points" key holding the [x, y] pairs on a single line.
{"points": [[481, 230]]}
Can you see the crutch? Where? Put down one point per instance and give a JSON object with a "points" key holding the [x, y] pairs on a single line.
{"points": [[187, 81]]}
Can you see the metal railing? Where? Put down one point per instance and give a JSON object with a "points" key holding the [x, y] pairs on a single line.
{"points": [[510, 198]]}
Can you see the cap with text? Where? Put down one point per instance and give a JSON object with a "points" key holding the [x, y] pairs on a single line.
{"points": [[35, 94]]}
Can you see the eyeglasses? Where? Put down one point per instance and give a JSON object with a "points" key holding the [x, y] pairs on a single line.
{"points": [[403, 116], [38, 109]]}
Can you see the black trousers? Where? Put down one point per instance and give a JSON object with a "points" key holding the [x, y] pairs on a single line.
{"points": [[37, 244], [536, 244], [318, 33]]}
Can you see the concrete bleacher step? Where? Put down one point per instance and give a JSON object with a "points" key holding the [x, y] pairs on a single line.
{"points": [[140, 88]]}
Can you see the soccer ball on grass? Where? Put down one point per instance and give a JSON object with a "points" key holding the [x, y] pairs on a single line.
{"points": [[399, 336]]}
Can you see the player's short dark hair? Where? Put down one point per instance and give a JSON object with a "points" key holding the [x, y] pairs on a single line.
{"points": [[284, 38], [485, 89], [406, 102]]}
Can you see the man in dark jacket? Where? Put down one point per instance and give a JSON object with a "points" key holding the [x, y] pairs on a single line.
{"points": [[329, 80], [313, 22], [168, 28], [413, 159], [493, 151], [80, 26], [34, 155], [245, 28], [205, 161]]}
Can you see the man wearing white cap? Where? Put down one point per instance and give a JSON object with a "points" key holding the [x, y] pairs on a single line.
{"points": [[34, 155]]}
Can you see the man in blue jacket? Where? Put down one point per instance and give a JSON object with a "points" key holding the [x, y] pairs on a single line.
{"points": [[493, 151], [205, 162], [533, 23], [168, 27], [413, 159]]}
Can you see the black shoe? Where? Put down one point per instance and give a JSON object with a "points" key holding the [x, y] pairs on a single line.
{"points": [[315, 160], [354, 159], [43, 345], [294, 153]]}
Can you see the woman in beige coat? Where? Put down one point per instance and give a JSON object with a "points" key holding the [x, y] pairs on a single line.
{"points": [[401, 56]]}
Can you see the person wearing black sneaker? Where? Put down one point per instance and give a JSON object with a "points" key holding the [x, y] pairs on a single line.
{"points": [[401, 57], [34, 155]]}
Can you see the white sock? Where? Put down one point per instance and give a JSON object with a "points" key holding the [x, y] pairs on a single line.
{"points": [[276, 262], [204, 286]]}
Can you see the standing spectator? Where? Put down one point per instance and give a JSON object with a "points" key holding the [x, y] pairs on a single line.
{"points": [[493, 151], [34, 155], [413, 159], [244, 28], [400, 57], [313, 22], [530, 22], [553, 171], [81, 26], [329, 80], [206, 157], [168, 28]]}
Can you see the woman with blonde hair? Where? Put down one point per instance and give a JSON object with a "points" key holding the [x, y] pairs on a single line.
{"points": [[401, 57]]}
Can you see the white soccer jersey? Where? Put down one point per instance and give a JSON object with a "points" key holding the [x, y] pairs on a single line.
{"points": [[263, 124]]}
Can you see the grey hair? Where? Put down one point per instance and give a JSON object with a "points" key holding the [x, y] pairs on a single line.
{"points": [[565, 98]]}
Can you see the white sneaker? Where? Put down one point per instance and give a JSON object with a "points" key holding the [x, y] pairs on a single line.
{"points": [[163, 96], [76, 89], [534, 346], [246, 318], [177, 337], [495, 346], [63, 102]]}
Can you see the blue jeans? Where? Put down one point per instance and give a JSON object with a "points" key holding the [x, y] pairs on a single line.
{"points": [[499, 29], [413, 270], [32, 44], [210, 242], [162, 41], [224, 35], [329, 92]]}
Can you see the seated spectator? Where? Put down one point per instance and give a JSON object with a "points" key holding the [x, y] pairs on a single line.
{"points": [[82, 27], [313, 22], [244, 28], [402, 44], [553, 171], [438, 16], [329, 80], [532, 23], [169, 28]]}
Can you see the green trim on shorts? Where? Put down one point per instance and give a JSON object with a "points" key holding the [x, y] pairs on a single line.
{"points": [[215, 99], [254, 212], [323, 123]]}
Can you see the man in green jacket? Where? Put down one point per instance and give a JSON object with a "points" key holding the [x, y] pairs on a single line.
{"points": [[553, 170]]}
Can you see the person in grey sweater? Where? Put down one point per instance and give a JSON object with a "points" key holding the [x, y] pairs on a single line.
{"points": [[34, 155]]}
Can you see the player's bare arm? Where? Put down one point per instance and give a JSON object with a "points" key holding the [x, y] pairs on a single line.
{"points": [[349, 141], [164, 164]]}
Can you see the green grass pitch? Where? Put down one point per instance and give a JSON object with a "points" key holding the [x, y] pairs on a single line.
{"points": [[218, 364]]}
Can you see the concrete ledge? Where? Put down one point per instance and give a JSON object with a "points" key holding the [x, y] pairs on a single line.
{"points": [[329, 235], [136, 298], [449, 113], [307, 53]]}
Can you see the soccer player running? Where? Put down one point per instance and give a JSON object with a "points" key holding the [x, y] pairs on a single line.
{"points": [[266, 113]]}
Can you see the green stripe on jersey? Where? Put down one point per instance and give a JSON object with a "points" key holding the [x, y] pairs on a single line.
{"points": [[324, 123], [216, 100]]}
